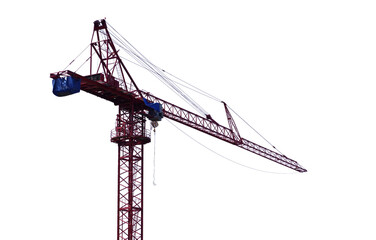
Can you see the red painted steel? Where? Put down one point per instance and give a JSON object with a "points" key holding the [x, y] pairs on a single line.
{"points": [[110, 63], [214, 129], [130, 133], [183, 116], [233, 127]]}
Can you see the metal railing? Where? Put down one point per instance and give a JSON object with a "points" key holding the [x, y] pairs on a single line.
{"points": [[122, 132]]}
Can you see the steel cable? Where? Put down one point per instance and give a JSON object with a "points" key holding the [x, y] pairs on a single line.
{"points": [[226, 158], [77, 57], [155, 70], [161, 75], [255, 130]]}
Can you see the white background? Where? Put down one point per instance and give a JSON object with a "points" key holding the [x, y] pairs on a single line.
{"points": [[301, 72]]}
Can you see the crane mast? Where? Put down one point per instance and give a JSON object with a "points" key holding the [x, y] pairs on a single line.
{"points": [[130, 135], [107, 79]]}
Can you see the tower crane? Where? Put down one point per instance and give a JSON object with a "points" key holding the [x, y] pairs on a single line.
{"points": [[108, 78]]}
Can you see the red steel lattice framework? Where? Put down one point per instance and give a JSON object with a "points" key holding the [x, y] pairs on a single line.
{"points": [[107, 81], [130, 135]]}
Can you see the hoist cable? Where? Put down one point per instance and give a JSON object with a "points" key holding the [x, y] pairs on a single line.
{"points": [[154, 182], [226, 158]]}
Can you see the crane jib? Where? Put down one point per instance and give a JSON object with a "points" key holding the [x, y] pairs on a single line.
{"points": [[157, 108]]}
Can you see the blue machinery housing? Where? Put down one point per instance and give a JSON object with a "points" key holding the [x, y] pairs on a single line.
{"points": [[155, 111], [65, 86]]}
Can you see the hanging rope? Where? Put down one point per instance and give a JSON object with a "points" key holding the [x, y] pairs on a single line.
{"points": [[154, 182]]}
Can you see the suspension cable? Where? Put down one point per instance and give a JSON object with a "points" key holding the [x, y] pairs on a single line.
{"points": [[255, 130], [77, 57], [82, 64], [188, 86], [161, 75], [220, 155], [155, 70], [194, 88], [123, 45]]}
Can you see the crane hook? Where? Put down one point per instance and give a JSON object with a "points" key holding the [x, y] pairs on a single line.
{"points": [[154, 124]]}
